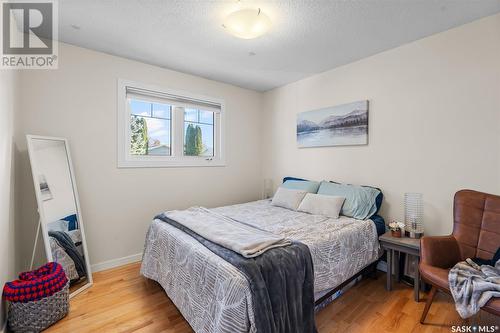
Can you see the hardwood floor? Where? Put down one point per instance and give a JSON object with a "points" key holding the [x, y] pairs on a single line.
{"points": [[123, 301]]}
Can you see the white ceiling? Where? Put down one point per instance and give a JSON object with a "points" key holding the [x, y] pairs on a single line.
{"points": [[307, 36]]}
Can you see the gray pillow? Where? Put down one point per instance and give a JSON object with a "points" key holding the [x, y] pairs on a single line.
{"points": [[319, 204], [287, 198]]}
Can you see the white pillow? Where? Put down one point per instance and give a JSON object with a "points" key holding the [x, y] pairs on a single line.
{"points": [[288, 198], [320, 204]]}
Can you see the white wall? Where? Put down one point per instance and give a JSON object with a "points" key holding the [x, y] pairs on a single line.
{"points": [[434, 121], [8, 106], [78, 101]]}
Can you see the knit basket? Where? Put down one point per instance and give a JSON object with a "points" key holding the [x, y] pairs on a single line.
{"points": [[39, 299]]}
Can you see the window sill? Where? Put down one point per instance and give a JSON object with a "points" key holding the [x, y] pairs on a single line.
{"points": [[169, 164]]}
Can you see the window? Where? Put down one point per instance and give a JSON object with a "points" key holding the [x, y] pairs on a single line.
{"points": [[150, 128], [162, 128]]}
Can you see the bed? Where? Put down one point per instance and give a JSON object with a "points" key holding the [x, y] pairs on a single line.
{"points": [[214, 296]]}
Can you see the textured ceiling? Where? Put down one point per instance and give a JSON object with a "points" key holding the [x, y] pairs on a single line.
{"points": [[307, 36]]}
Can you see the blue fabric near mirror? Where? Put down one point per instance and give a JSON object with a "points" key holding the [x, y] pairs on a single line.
{"points": [[72, 221]]}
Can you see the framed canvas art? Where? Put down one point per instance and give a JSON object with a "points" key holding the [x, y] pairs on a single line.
{"points": [[342, 125]]}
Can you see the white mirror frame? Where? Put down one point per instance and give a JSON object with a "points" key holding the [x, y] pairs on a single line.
{"points": [[45, 233]]}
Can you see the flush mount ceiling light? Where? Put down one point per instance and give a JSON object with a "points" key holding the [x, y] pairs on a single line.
{"points": [[247, 23]]}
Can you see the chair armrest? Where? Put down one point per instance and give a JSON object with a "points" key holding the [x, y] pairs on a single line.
{"points": [[439, 251]]}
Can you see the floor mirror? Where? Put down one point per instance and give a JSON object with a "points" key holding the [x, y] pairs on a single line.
{"points": [[60, 221]]}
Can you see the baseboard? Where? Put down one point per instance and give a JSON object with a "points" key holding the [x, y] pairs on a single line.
{"points": [[115, 263]]}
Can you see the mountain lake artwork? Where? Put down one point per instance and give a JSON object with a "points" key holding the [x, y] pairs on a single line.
{"points": [[342, 125]]}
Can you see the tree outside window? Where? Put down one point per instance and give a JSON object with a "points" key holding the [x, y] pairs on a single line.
{"points": [[138, 136]]}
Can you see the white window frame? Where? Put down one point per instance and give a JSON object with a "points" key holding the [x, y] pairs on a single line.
{"points": [[177, 158]]}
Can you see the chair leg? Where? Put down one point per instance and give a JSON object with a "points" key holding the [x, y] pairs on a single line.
{"points": [[428, 303]]}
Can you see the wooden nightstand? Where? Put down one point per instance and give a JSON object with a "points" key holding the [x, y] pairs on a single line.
{"points": [[394, 246]]}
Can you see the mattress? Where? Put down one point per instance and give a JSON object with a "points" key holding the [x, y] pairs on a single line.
{"points": [[213, 296]]}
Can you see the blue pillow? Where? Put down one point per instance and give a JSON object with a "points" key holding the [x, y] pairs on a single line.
{"points": [[302, 185], [293, 178], [360, 201], [378, 200]]}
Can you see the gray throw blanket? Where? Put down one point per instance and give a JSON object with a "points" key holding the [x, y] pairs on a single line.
{"points": [[281, 282], [240, 237], [472, 286]]}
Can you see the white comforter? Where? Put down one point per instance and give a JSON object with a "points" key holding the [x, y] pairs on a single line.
{"points": [[214, 296]]}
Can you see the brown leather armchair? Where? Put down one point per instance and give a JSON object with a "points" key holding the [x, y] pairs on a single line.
{"points": [[476, 233]]}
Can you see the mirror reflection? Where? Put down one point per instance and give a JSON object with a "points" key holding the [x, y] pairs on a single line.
{"points": [[58, 209]]}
